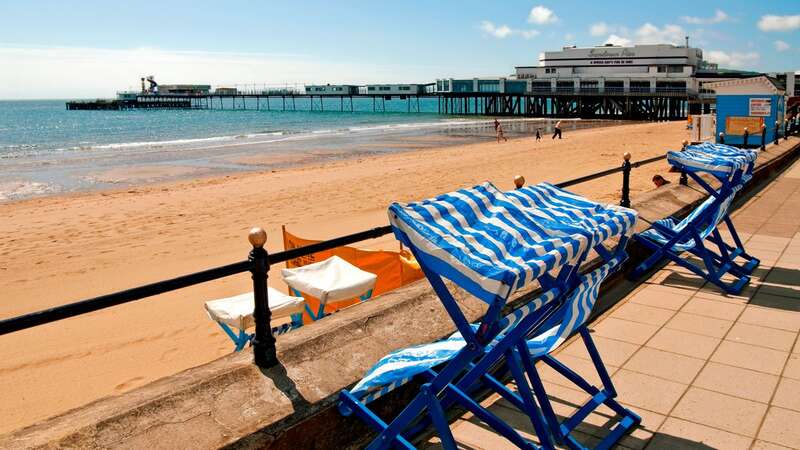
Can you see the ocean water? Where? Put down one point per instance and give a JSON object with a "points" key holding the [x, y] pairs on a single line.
{"points": [[45, 149]]}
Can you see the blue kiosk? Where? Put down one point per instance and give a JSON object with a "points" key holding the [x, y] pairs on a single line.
{"points": [[748, 103]]}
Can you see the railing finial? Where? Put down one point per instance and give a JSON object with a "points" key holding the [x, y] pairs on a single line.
{"points": [[626, 156], [257, 237], [519, 181]]}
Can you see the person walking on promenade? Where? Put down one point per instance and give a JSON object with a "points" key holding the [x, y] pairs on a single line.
{"points": [[496, 124], [500, 135], [538, 135], [557, 130]]}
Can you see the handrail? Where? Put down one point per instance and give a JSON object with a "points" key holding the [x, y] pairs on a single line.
{"points": [[258, 264], [117, 298], [607, 172]]}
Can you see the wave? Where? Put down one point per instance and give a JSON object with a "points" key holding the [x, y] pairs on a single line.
{"points": [[260, 137], [14, 190]]}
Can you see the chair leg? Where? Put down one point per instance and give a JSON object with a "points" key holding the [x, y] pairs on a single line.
{"points": [[438, 418], [515, 362], [605, 396], [239, 341], [366, 296], [297, 320], [242, 340]]}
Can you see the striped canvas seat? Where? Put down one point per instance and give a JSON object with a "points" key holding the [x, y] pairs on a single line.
{"points": [[399, 367], [600, 222], [678, 227], [574, 313], [485, 242]]}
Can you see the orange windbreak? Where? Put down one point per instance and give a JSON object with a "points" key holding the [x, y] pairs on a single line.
{"points": [[394, 269]]}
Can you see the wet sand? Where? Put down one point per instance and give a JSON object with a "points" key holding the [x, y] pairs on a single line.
{"points": [[58, 249]]}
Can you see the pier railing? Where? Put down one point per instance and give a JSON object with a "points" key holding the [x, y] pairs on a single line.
{"points": [[258, 264]]}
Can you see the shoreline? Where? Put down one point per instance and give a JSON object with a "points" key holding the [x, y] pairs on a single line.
{"points": [[262, 164], [62, 248], [95, 169]]}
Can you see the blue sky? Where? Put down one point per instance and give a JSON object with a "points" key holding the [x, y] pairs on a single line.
{"points": [[92, 48]]}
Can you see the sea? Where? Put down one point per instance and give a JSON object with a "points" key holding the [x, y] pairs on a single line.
{"points": [[46, 149]]}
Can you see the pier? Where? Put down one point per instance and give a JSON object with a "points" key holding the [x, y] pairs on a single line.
{"points": [[662, 104]]}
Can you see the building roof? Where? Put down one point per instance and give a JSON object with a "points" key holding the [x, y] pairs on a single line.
{"points": [[761, 84]]}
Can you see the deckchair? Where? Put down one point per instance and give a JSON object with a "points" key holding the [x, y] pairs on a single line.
{"points": [[331, 281], [237, 312], [485, 243], [671, 238]]}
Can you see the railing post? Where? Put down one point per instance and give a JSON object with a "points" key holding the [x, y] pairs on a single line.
{"points": [[777, 128], [721, 139], [263, 342], [626, 181], [684, 179], [763, 136], [519, 181]]}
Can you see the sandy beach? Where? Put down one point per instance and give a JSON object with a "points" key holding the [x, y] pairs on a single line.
{"points": [[55, 250]]}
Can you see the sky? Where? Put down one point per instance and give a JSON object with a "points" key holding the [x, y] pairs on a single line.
{"points": [[92, 48]]}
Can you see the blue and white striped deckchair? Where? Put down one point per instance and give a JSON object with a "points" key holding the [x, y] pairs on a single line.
{"points": [[670, 237], [485, 243]]}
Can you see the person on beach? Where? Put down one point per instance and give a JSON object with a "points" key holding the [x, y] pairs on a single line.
{"points": [[659, 181], [538, 135], [557, 130], [500, 135], [496, 124]]}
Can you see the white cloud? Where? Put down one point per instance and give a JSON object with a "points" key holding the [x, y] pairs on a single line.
{"points": [[541, 15], [779, 23], [781, 46], [733, 59], [600, 29], [719, 16], [77, 72], [504, 31], [569, 37], [500, 32], [618, 40], [651, 34], [529, 34], [645, 34]]}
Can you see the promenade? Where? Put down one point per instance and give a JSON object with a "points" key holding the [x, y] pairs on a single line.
{"points": [[703, 369]]}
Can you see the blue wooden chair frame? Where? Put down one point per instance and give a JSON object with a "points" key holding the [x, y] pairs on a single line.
{"points": [[702, 226], [321, 310], [241, 339]]}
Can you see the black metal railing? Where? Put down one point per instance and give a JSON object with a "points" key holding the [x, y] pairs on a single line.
{"points": [[258, 264]]}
